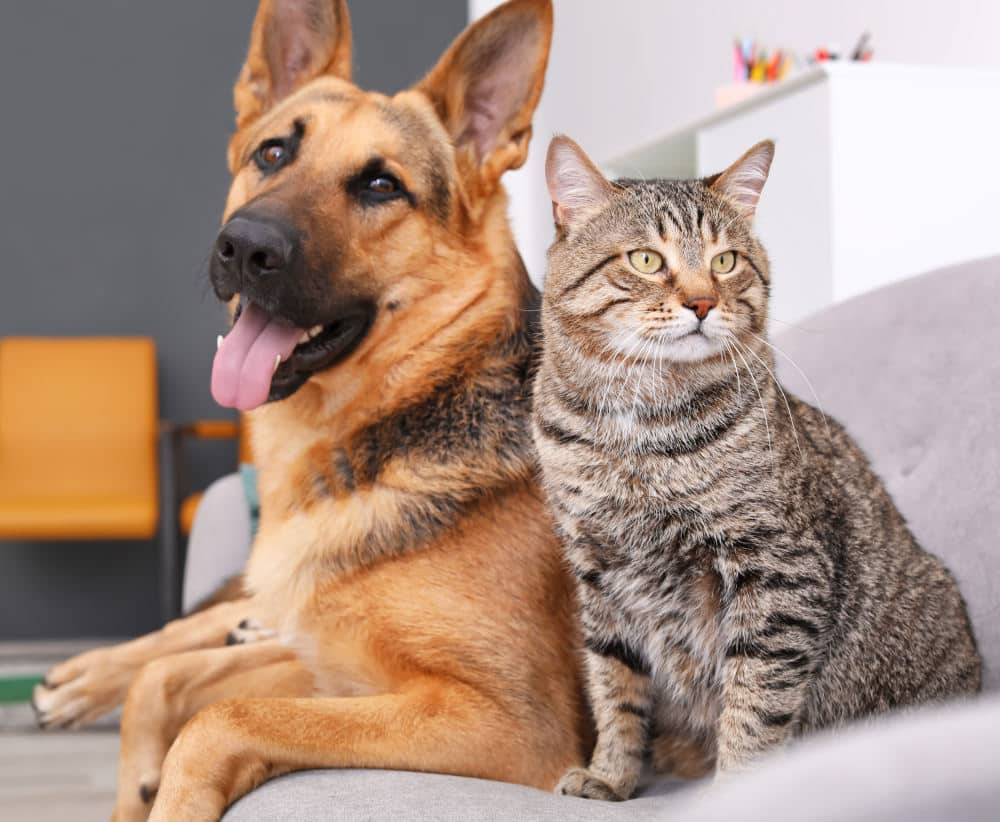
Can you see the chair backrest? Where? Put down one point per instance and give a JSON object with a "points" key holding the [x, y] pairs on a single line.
{"points": [[245, 454], [75, 390]]}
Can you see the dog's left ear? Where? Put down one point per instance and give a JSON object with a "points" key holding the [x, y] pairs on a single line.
{"points": [[292, 42], [486, 87]]}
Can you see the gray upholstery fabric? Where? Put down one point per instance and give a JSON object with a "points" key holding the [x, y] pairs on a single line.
{"points": [[913, 371], [937, 765], [219, 545]]}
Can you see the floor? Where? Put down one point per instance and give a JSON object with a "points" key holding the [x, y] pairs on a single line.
{"points": [[52, 776], [58, 776]]}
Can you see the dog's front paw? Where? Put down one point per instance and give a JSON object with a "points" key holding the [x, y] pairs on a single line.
{"points": [[581, 782], [81, 689], [249, 630]]}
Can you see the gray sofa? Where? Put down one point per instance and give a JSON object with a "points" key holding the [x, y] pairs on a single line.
{"points": [[913, 370]]}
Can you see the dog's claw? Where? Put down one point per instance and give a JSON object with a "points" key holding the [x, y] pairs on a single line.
{"points": [[248, 630], [40, 715], [146, 793]]}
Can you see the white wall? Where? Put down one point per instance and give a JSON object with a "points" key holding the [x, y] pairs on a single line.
{"points": [[624, 71]]}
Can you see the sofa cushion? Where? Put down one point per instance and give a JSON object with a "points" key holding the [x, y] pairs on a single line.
{"points": [[901, 769]]}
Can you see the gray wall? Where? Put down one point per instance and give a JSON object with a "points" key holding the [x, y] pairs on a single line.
{"points": [[115, 115]]}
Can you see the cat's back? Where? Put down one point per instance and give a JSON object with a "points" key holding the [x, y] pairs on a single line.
{"points": [[900, 628]]}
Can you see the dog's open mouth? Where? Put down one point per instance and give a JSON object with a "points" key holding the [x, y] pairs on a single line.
{"points": [[265, 358]]}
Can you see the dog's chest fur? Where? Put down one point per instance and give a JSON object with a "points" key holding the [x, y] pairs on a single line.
{"points": [[334, 510]]}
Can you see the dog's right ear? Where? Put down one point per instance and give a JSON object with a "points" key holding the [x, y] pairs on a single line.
{"points": [[576, 186], [292, 42], [486, 87]]}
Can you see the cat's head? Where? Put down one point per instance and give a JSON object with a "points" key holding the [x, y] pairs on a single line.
{"points": [[665, 270]]}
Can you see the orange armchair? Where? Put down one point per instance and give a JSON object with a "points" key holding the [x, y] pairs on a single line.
{"points": [[83, 454], [78, 439]]}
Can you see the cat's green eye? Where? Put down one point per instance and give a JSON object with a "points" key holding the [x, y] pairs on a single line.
{"points": [[724, 263], [645, 261]]}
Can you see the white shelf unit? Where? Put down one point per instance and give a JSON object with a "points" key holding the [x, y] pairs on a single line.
{"points": [[881, 172]]}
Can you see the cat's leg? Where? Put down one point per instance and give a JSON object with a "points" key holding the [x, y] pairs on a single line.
{"points": [[621, 697], [773, 623]]}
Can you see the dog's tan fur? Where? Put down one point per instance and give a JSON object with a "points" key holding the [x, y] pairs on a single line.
{"points": [[408, 638]]}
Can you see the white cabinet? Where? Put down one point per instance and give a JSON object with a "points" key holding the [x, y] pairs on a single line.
{"points": [[881, 172]]}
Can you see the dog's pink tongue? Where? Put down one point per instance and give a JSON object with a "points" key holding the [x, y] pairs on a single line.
{"points": [[244, 363]]}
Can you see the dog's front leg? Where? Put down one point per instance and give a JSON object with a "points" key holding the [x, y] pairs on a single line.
{"points": [[169, 691], [94, 683], [434, 725]]}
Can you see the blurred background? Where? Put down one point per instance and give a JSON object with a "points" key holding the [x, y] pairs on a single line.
{"points": [[115, 121]]}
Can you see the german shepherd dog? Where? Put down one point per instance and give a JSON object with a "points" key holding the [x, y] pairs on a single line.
{"points": [[383, 326]]}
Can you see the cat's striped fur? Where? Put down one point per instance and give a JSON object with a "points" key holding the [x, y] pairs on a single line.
{"points": [[743, 574]]}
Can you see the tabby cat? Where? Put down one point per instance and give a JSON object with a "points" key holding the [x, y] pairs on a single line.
{"points": [[743, 575]]}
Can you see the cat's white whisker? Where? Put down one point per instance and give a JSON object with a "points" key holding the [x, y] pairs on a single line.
{"points": [[784, 396], [726, 344], [795, 365], [620, 374], [772, 318], [763, 407], [643, 372]]}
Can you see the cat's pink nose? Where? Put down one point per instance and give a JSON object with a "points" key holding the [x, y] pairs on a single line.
{"points": [[701, 306]]}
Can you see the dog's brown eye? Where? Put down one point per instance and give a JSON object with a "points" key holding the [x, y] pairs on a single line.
{"points": [[273, 155], [277, 152], [374, 185], [383, 185]]}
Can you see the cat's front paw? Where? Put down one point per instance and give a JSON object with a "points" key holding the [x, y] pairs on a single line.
{"points": [[581, 782]]}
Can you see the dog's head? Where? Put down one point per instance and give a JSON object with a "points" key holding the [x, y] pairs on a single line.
{"points": [[349, 210]]}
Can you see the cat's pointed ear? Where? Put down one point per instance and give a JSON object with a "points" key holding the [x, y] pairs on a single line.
{"points": [[486, 87], [292, 42], [744, 180], [576, 187]]}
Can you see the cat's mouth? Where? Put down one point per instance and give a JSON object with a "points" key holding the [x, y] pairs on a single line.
{"points": [[691, 346], [694, 334], [666, 344]]}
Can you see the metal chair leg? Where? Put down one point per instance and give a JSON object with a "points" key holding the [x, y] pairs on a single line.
{"points": [[171, 564]]}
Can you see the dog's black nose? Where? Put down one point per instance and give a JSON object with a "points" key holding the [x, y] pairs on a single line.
{"points": [[253, 249]]}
